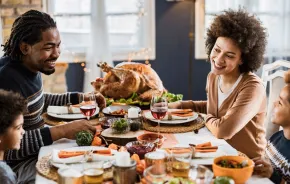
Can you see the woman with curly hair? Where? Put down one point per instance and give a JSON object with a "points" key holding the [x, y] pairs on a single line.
{"points": [[236, 104]]}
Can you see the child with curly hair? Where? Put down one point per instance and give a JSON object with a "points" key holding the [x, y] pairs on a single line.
{"points": [[236, 104], [276, 163], [12, 107]]}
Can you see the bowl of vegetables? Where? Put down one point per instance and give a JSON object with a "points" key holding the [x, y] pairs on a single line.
{"points": [[119, 125], [237, 167]]}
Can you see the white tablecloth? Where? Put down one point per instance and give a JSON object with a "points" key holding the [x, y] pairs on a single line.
{"points": [[182, 138]]}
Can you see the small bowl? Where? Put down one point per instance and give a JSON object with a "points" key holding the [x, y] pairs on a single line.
{"points": [[239, 175], [104, 122], [152, 137], [113, 120], [140, 147]]}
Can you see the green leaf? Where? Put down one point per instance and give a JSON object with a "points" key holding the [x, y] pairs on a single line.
{"points": [[84, 138]]}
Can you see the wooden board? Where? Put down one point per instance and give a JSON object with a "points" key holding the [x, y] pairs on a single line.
{"points": [[120, 139]]}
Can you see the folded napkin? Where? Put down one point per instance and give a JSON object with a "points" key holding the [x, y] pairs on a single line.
{"points": [[78, 156], [62, 110]]}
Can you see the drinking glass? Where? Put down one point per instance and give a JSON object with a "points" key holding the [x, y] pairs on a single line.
{"points": [[200, 174], [155, 174], [154, 158], [158, 108], [88, 104], [180, 162]]}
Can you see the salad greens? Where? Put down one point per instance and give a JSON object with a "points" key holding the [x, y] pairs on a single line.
{"points": [[134, 99], [120, 125], [84, 138]]}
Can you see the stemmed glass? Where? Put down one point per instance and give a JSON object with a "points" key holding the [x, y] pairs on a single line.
{"points": [[88, 104], [158, 108]]}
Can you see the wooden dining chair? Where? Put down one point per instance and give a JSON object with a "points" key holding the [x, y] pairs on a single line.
{"points": [[276, 83]]}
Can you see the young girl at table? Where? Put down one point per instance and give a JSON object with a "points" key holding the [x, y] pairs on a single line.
{"points": [[276, 164], [236, 97], [12, 107]]}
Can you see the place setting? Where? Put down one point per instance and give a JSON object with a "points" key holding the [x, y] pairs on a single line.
{"points": [[86, 108]]}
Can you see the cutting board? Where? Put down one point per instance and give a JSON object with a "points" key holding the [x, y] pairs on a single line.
{"points": [[120, 139]]}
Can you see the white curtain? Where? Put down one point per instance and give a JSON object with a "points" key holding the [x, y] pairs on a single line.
{"points": [[99, 44]]}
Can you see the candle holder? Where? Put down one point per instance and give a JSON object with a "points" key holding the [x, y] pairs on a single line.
{"points": [[135, 123]]}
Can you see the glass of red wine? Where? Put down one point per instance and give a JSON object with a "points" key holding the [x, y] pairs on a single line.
{"points": [[158, 108], [88, 104]]}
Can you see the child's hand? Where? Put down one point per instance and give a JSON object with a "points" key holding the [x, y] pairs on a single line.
{"points": [[263, 167]]}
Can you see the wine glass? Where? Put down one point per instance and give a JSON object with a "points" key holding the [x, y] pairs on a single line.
{"points": [[88, 104], [158, 108]]}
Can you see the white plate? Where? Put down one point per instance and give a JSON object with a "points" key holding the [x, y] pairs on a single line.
{"points": [[71, 116], [113, 108], [207, 158], [80, 166], [175, 120]]}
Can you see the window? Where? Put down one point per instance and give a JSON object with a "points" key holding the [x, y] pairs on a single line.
{"points": [[275, 16], [129, 32]]}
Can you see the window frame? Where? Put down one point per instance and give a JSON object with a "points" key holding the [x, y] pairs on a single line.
{"points": [[200, 52], [120, 54]]}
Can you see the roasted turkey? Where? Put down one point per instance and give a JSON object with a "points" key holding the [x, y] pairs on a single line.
{"points": [[126, 78]]}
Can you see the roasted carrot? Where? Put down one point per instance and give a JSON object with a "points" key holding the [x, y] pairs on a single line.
{"points": [[203, 145], [96, 141], [135, 157], [113, 146], [178, 150], [183, 115], [182, 111], [206, 150], [68, 154], [207, 147], [104, 154], [104, 151]]}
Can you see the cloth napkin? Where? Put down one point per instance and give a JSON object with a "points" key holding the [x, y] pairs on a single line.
{"points": [[77, 159], [62, 110]]}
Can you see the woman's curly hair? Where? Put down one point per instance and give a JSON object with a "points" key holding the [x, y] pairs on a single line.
{"points": [[246, 30], [11, 106]]}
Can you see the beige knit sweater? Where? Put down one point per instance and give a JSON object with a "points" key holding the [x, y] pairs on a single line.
{"points": [[240, 118]]}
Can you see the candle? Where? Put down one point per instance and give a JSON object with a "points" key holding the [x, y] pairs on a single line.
{"points": [[123, 158], [132, 113]]}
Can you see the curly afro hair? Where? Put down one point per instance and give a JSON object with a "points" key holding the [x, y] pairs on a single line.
{"points": [[11, 106], [246, 30]]}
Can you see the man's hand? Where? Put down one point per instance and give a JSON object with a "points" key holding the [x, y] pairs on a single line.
{"points": [[69, 130], [263, 167]]}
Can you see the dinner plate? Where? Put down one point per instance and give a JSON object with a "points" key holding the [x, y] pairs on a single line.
{"points": [[80, 165], [175, 120], [71, 116], [108, 110]]}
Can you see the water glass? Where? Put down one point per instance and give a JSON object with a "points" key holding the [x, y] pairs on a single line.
{"points": [[155, 174], [180, 162], [200, 174]]}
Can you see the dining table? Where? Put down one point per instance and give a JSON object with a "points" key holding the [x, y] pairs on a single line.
{"points": [[203, 135]]}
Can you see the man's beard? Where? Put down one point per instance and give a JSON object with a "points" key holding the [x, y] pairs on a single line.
{"points": [[47, 72]]}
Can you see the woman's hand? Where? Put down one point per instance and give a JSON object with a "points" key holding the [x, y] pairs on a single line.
{"points": [[174, 105], [263, 167]]}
